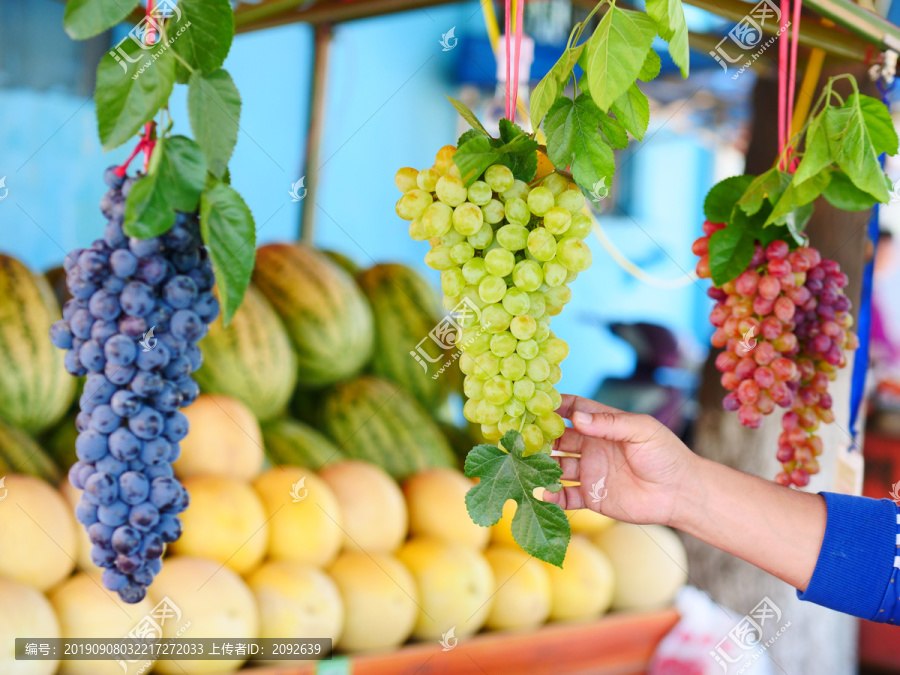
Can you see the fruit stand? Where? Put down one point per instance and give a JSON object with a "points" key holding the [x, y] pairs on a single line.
{"points": [[204, 435]]}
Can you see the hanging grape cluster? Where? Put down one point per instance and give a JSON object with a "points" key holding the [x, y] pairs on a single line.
{"points": [[784, 327], [508, 251], [138, 308]]}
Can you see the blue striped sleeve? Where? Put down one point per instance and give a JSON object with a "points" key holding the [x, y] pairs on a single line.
{"points": [[858, 570]]}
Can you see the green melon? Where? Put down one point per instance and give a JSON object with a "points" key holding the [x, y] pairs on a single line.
{"points": [[407, 309], [294, 443], [344, 262], [35, 389], [251, 359], [326, 315], [22, 454], [375, 420]]}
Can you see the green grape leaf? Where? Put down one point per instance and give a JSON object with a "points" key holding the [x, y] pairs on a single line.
{"points": [[766, 186], [229, 233], [878, 123], [796, 195], [722, 197], [843, 194], [820, 151], [731, 248], [473, 156], [214, 108], [520, 150], [632, 109], [132, 84], [652, 66], [553, 84], [614, 131], [669, 18], [469, 134], [201, 32], [467, 115], [572, 140], [175, 177], [540, 528], [857, 156], [615, 54], [86, 18]]}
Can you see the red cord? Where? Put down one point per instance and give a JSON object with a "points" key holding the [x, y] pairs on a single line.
{"points": [[782, 66], [520, 13], [507, 39]]}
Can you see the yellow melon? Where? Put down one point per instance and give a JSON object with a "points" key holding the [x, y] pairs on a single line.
{"points": [[83, 562], [455, 587], [87, 610], [296, 601], [523, 597], [225, 521], [24, 613], [212, 602], [372, 505], [380, 601], [224, 439], [650, 564], [436, 500], [38, 541], [304, 515], [501, 531], [585, 521], [583, 588]]}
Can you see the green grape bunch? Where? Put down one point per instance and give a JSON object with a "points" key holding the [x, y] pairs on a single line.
{"points": [[508, 250]]}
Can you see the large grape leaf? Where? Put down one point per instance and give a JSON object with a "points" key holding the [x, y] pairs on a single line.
{"points": [[553, 84], [615, 54], [632, 109], [768, 185], [86, 18], [731, 248], [202, 31], [573, 140], [878, 122], [175, 177], [214, 108], [126, 96], [229, 233], [669, 17], [540, 528], [722, 197]]}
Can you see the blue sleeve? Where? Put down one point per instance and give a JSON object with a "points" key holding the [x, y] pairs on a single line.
{"points": [[858, 570]]}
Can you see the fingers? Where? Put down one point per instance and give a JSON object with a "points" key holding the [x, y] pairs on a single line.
{"points": [[567, 498], [613, 426], [571, 442], [569, 466], [571, 403]]}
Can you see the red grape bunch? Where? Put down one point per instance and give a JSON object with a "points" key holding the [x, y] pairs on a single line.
{"points": [[784, 327]]}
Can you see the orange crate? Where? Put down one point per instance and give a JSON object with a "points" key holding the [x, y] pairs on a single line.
{"points": [[617, 644]]}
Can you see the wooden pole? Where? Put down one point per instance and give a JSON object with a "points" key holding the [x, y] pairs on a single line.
{"points": [[317, 109]]}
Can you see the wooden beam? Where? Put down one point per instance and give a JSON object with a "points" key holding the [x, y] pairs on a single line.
{"points": [[263, 15]]}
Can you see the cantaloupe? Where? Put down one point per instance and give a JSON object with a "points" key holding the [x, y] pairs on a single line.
{"points": [[372, 505], [455, 586], [585, 521], [380, 601], [225, 521], [37, 533], [87, 610], [296, 601], [214, 602], [224, 440], [523, 597], [650, 564], [307, 530], [436, 500], [583, 588], [24, 613]]}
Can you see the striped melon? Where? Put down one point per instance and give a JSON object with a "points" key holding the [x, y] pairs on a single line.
{"points": [[326, 315], [294, 443], [344, 262], [23, 455], [406, 310], [35, 389], [60, 442], [375, 420], [251, 359]]}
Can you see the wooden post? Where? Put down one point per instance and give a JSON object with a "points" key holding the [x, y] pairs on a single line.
{"points": [[819, 640], [317, 109]]}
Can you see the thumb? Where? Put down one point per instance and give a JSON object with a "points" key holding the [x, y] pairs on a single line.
{"points": [[612, 426]]}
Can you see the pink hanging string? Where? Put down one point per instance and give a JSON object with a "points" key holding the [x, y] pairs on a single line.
{"points": [[782, 67], [792, 81], [787, 80], [513, 40], [507, 39]]}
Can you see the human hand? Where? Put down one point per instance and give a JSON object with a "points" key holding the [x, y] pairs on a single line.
{"points": [[645, 466]]}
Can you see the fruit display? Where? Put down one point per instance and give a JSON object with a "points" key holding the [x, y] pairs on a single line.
{"points": [[523, 597], [25, 611], [406, 310], [585, 584], [138, 308], [326, 315], [437, 508], [35, 390], [251, 358], [377, 421], [19, 453], [289, 441]]}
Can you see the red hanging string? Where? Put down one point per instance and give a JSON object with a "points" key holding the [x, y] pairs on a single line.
{"points": [[520, 13], [146, 143], [782, 67], [507, 38], [787, 81], [513, 44]]}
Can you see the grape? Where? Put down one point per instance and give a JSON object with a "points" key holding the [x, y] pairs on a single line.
{"points": [[479, 193], [493, 212], [785, 325], [499, 262], [512, 237], [499, 178], [528, 275], [113, 514], [467, 219], [540, 200], [557, 220], [480, 239]]}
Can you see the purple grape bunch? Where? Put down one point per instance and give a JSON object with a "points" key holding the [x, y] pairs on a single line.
{"points": [[137, 310]]}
